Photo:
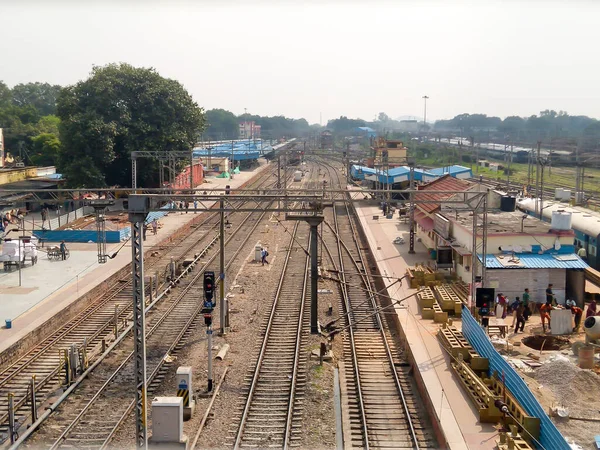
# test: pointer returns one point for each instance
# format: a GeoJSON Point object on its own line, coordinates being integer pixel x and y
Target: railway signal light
{"type": "Point", "coordinates": [208, 320]}
{"type": "Point", "coordinates": [209, 289]}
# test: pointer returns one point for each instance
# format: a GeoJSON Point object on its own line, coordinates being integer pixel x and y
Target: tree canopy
{"type": "Point", "coordinates": [549, 125]}
{"type": "Point", "coordinates": [224, 125]}
{"type": "Point", "coordinates": [26, 114]}
{"type": "Point", "coordinates": [117, 110]}
{"type": "Point", "coordinates": [345, 125]}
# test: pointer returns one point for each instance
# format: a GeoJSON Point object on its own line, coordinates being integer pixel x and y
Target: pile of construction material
{"type": "Point", "coordinates": [472, 370]}
{"type": "Point", "coordinates": [439, 301]}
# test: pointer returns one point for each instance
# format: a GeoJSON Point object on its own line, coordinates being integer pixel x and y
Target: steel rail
{"type": "Point", "coordinates": [102, 301]}
{"type": "Point", "coordinates": [263, 348]}
{"type": "Point", "coordinates": [368, 285]}
{"type": "Point", "coordinates": [164, 316]}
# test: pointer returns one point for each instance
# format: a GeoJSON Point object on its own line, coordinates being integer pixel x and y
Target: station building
{"type": "Point", "coordinates": [521, 251]}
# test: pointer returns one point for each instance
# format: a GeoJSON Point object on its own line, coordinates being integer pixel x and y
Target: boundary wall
{"type": "Point", "coordinates": [550, 437]}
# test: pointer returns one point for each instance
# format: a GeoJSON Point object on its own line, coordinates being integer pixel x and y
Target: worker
{"type": "Point", "coordinates": [520, 318]}
{"type": "Point", "coordinates": [513, 310]}
{"type": "Point", "coordinates": [154, 225]}
{"type": "Point", "coordinates": [578, 313]}
{"type": "Point", "coordinates": [525, 298]}
{"type": "Point", "coordinates": [582, 253]}
{"type": "Point", "coordinates": [545, 315]}
{"type": "Point", "coordinates": [263, 256]}
{"type": "Point", "coordinates": [550, 298]}
{"type": "Point", "coordinates": [63, 250]}
{"type": "Point", "coordinates": [591, 310]}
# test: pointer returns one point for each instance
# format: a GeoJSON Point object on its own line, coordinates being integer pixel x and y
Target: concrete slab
{"type": "Point", "coordinates": [455, 413]}
{"type": "Point", "coordinates": [49, 287]}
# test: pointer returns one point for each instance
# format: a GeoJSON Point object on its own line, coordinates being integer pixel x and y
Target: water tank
{"type": "Point", "coordinates": [561, 220]}
{"type": "Point", "coordinates": [508, 203]}
{"type": "Point", "coordinates": [562, 194]}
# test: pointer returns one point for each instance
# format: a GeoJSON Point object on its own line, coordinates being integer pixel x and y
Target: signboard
{"type": "Point", "coordinates": [441, 225]}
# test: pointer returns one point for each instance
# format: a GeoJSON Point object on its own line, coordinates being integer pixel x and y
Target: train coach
{"type": "Point", "coordinates": [584, 222]}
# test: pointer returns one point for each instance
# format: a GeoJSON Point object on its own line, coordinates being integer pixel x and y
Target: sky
{"type": "Point", "coordinates": [322, 59]}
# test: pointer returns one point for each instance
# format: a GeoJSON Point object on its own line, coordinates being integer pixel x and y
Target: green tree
{"type": "Point", "coordinates": [121, 109]}
{"type": "Point", "coordinates": [5, 95]}
{"type": "Point", "coordinates": [220, 125]}
{"type": "Point", "coordinates": [45, 149]}
{"type": "Point", "coordinates": [42, 96]}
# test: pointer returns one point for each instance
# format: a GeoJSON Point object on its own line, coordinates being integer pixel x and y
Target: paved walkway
{"type": "Point", "coordinates": [455, 411]}
{"type": "Point", "coordinates": [50, 286]}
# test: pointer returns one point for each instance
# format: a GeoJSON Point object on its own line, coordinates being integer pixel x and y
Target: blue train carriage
{"type": "Point", "coordinates": [584, 222]}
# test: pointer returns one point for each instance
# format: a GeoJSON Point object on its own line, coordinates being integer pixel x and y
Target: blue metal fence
{"type": "Point", "coordinates": [550, 437]}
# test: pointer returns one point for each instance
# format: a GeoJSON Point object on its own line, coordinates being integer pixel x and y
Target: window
{"type": "Point", "coordinates": [592, 250]}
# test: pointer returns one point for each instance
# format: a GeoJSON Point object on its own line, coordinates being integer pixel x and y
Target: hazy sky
{"type": "Point", "coordinates": [303, 58]}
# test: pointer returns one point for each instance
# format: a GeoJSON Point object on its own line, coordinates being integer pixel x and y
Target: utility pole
{"type": "Point", "coordinates": [222, 306]}
{"type": "Point", "coordinates": [508, 171]}
{"type": "Point", "coordinates": [278, 180]}
{"type": "Point", "coordinates": [192, 170]}
{"type": "Point", "coordinates": [537, 178]}
{"type": "Point", "coordinates": [472, 139]}
{"type": "Point", "coordinates": [411, 249]}
{"type": "Point", "coordinates": [138, 209]}
{"type": "Point", "coordinates": [425, 112]}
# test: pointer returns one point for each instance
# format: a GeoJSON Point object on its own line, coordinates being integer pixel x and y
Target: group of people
{"type": "Point", "coordinates": [519, 308]}
{"type": "Point", "coordinates": [522, 309]}
{"type": "Point", "coordinates": [11, 217]}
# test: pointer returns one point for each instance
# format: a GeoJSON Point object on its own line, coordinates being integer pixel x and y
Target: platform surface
{"type": "Point", "coordinates": [50, 286]}
{"type": "Point", "coordinates": [455, 412]}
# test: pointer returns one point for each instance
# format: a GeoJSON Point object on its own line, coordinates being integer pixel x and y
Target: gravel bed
{"type": "Point", "coordinates": [579, 391]}
{"type": "Point", "coordinates": [251, 294]}
{"type": "Point", "coordinates": [318, 421]}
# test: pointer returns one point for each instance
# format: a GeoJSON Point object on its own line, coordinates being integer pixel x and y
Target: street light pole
{"type": "Point", "coordinates": [425, 110]}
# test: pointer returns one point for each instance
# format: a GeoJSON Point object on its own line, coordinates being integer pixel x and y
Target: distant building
{"type": "Point", "coordinates": [408, 126]}
{"type": "Point", "coordinates": [366, 132]}
{"type": "Point", "coordinates": [390, 153]}
{"type": "Point", "coordinates": [249, 130]}
{"type": "Point", "coordinates": [326, 139]}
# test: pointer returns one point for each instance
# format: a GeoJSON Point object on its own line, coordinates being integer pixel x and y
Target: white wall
{"type": "Point", "coordinates": [512, 282]}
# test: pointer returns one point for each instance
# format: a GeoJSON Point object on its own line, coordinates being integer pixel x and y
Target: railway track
{"type": "Point", "coordinates": [92, 328]}
{"type": "Point", "coordinates": [270, 413]}
{"type": "Point", "coordinates": [104, 401]}
{"type": "Point", "coordinates": [383, 406]}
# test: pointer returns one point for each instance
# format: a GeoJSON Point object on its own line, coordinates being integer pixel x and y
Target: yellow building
{"type": "Point", "coordinates": [389, 152]}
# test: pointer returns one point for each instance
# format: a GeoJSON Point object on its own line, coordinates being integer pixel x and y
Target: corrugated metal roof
{"type": "Point", "coordinates": [445, 183]}
{"type": "Point", "coordinates": [449, 169]}
{"type": "Point", "coordinates": [536, 261]}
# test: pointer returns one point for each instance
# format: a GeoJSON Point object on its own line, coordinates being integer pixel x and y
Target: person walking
{"type": "Point", "coordinates": [63, 250]}
{"type": "Point", "coordinates": [154, 225]}
{"type": "Point", "coordinates": [519, 313]}
{"type": "Point", "coordinates": [263, 256]}
{"type": "Point", "coordinates": [44, 216]}
{"type": "Point", "coordinates": [513, 310]}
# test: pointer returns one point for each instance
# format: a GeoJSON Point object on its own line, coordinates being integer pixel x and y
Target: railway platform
{"type": "Point", "coordinates": [457, 419]}
{"type": "Point", "coordinates": [49, 287]}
